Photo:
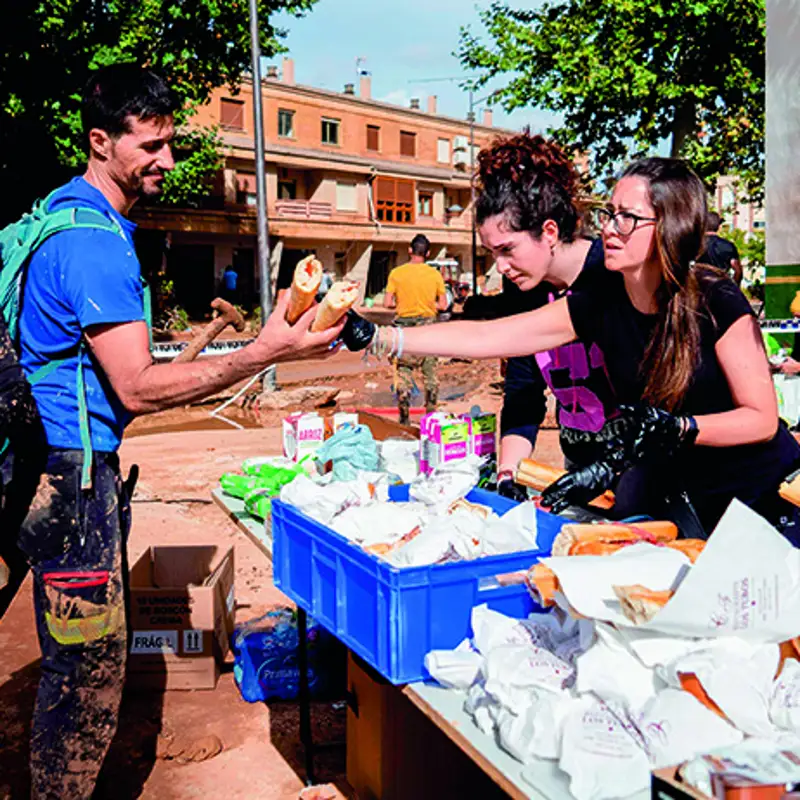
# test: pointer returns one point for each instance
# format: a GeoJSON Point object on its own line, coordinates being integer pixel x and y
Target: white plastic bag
{"type": "Point", "coordinates": [324, 500]}
{"type": "Point", "coordinates": [446, 484]}
{"type": "Point", "coordinates": [400, 457]}
{"type": "Point", "coordinates": [535, 731]}
{"type": "Point", "coordinates": [379, 523]}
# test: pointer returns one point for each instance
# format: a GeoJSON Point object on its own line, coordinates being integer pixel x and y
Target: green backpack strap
{"type": "Point", "coordinates": [53, 223]}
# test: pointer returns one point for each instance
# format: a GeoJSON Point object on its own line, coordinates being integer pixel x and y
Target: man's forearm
{"type": "Point", "coordinates": [161, 386]}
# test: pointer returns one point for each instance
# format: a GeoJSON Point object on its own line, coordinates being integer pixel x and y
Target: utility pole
{"type": "Point", "coordinates": [261, 184]}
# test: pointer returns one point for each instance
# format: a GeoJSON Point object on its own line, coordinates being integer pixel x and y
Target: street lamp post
{"type": "Point", "coordinates": [472, 193]}
{"type": "Point", "coordinates": [265, 294]}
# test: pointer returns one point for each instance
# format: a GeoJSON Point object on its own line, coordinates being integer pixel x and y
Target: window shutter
{"type": "Point", "coordinates": [408, 143]}
{"type": "Point", "coordinates": [231, 113]}
{"type": "Point", "coordinates": [373, 135]}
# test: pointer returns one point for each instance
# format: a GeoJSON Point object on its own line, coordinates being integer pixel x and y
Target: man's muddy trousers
{"type": "Point", "coordinates": [75, 542]}
{"type": "Point", "coordinates": [405, 367]}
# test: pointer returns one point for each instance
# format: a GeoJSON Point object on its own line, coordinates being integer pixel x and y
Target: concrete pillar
{"type": "Point", "coordinates": [275, 262]}
{"type": "Point", "coordinates": [358, 265]}
{"type": "Point", "coordinates": [782, 146]}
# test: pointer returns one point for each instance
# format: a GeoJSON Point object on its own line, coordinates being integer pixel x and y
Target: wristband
{"type": "Point", "coordinates": [690, 430]}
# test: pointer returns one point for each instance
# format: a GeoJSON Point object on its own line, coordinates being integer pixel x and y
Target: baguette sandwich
{"type": "Point", "coordinates": [341, 297]}
{"type": "Point", "coordinates": [539, 476]}
{"type": "Point", "coordinates": [305, 285]}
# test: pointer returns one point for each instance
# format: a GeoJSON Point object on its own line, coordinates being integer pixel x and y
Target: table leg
{"type": "Point", "coordinates": [304, 696]}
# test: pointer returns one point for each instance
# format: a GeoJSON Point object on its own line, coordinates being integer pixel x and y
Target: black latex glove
{"type": "Point", "coordinates": [513, 491]}
{"type": "Point", "coordinates": [357, 332]}
{"type": "Point", "coordinates": [579, 487]}
{"type": "Point", "coordinates": [657, 434]}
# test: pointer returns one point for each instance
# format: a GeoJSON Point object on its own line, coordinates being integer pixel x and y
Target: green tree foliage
{"type": "Point", "coordinates": [49, 47]}
{"type": "Point", "coordinates": [627, 74]}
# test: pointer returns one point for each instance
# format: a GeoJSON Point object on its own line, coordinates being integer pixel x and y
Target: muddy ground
{"type": "Point", "coordinates": [181, 454]}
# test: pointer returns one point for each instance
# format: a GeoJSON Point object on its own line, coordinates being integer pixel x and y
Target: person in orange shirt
{"type": "Point", "coordinates": [416, 292]}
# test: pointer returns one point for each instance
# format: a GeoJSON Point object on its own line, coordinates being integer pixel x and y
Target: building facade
{"type": "Point", "coordinates": [349, 178]}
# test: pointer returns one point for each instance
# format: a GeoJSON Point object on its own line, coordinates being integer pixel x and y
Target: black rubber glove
{"type": "Point", "coordinates": [579, 487]}
{"type": "Point", "coordinates": [357, 332]}
{"type": "Point", "coordinates": [657, 434]}
{"type": "Point", "coordinates": [513, 491]}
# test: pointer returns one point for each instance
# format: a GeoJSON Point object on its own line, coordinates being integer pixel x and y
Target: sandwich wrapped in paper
{"type": "Point", "coordinates": [305, 285]}
{"type": "Point", "coordinates": [341, 297]}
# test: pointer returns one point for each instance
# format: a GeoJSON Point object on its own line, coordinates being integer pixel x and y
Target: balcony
{"type": "Point", "coordinates": [303, 209]}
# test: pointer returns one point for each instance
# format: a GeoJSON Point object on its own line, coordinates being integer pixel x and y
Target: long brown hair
{"type": "Point", "coordinates": [528, 179]}
{"type": "Point", "coordinates": [678, 198]}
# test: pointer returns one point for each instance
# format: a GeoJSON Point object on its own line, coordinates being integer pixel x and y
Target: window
{"type": "Point", "coordinates": [231, 113]}
{"type": "Point", "coordinates": [394, 200]}
{"type": "Point", "coordinates": [373, 137]}
{"type": "Point", "coordinates": [346, 196]}
{"type": "Point", "coordinates": [443, 151]}
{"type": "Point", "coordinates": [425, 204]}
{"type": "Point", "coordinates": [287, 190]}
{"type": "Point", "coordinates": [330, 130]}
{"type": "Point", "coordinates": [759, 225]}
{"type": "Point", "coordinates": [408, 143]}
{"type": "Point", "coordinates": [285, 123]}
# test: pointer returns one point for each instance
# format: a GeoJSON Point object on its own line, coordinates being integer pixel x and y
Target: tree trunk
{"type": "Point", "coordinates": [683, 125]}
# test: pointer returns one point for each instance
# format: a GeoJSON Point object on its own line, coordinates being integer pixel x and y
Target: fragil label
{"type": "Point", "coordinates": [155, 642]}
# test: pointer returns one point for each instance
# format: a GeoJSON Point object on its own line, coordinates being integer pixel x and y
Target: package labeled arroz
{"type": "Point", "coordinates": [443, 439]}
{"type": "Point", "coordinates": [303, 433]}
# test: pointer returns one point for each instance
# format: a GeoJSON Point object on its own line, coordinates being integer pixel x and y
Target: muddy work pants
{"type": "Point", "coordinates": [405, 367]}
{"type": "Point", "coordinates": [75, 542]}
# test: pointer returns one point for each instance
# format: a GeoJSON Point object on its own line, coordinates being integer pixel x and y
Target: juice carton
{"type": "Point", "coordinates": [483, 443]}
{"type": "Point", "coordinates": [303, 433]}
{"type": "Point", "coordinates": [446, 439]}
{"type": "Point", "coordinates": [340, 419]}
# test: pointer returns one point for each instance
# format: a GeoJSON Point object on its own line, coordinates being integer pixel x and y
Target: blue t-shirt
{"type": "Point", "coordinates": [76, 279]}
{"type": "Point", "coordinates": [230, 278]}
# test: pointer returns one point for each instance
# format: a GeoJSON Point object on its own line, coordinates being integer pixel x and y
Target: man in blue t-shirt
{"type": "Point", "coordinates": [83, 312]}
{"type": "Point", "coordinates": [230, 283]}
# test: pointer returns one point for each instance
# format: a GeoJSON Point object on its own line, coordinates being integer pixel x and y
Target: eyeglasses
{"type": "Point", "coordinates": [624, 222]}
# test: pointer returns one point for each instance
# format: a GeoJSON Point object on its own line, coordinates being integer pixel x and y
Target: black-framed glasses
{"type": "Point", "coordinates": [624, 222]}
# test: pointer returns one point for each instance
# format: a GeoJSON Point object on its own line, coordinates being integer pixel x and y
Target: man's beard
{"type": "Point", "coordinates": [137, 185]}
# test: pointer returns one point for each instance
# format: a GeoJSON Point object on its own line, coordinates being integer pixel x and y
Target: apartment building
{"type": "Point", "coordinates": [348, 177]}
{"type": "Point", "coordinates": [738, 213]}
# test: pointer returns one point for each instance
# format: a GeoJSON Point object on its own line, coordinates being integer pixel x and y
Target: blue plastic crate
{"type": "Point", "coordinates": [392, 617]}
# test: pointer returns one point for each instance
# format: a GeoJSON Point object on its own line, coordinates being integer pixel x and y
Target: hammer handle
{"type": "Point", "coordinates": [199, 343]}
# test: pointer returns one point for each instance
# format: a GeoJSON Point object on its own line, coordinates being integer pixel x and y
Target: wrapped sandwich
{"type": "Point", "coordinates": [341, 297]}
{"type": "Point", "coordinates": [539, 476]}
{"type": "Point", "coordinates": [305, 285]}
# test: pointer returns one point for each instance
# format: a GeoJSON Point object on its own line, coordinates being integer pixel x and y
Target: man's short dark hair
{"type": "Point", "coordinates": [114, 94]}
{"type": "Point", "coordinates": [713, 221]}
{"type": "Point", "coordinates": [420, 246]}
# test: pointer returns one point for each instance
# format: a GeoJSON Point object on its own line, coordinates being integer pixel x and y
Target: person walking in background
{"type": "Point", "coordinates": [417, 293]}
{"type": "Point", "coordinates": [230, 284]}
{"type": "Point", "coordinates": [719, 252]}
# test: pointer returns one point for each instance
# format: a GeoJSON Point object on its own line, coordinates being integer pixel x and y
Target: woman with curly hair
{"type": "Point", "coordinates": [528, 214]}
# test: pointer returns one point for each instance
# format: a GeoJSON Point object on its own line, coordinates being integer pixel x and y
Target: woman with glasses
{"type": "Point", "coordinates": [528, 216]}
{"type": "Point", "coordinates": [681, 348]}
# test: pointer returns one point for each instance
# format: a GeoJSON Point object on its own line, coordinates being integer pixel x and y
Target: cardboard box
{"type": "Point", "coordinates": [181, 616]}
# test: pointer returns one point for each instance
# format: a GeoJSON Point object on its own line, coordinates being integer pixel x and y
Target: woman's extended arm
{"type": "Point", "coordinates": [740, 353]}
{"type": "Point", "coordinates": [519, 335]}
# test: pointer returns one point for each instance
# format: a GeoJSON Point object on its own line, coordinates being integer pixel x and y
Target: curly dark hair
{"type": "Point", "coordinates": [528, 179]}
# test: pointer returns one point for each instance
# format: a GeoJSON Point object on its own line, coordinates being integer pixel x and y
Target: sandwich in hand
{"type": "Point", "coordinates": [305, 285]}
{"type": "Point", "coordinates": [341, 297]}
{"type": "Point", "coordinates": [539, 476]}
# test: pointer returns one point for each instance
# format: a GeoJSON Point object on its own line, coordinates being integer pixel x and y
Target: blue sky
{"type": "Point", "coordinates": [402, 41]}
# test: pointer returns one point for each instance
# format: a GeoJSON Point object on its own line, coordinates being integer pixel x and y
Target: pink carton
{"type": "Point", "coordinates": [443, 439]}
{"type": "Point", "coordinates": [303, 433]}
{"type": "Point", "coordinates": [483, 430]}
